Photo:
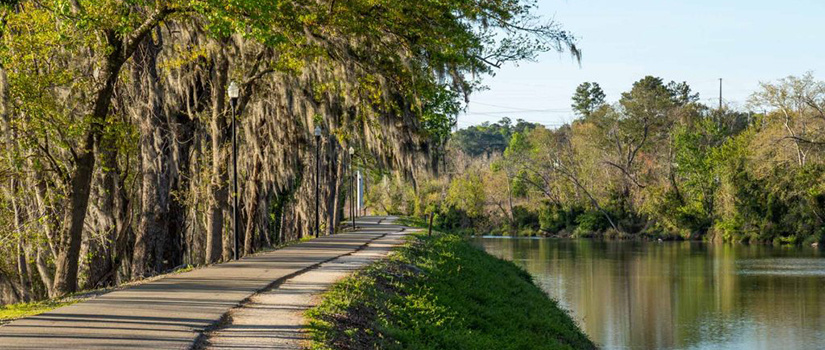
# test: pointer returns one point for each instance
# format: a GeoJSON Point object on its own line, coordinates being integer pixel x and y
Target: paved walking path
{"type": "Point", "coordinates": [172, 312]}
{"type": "Point", "coordinates": [274, 319]}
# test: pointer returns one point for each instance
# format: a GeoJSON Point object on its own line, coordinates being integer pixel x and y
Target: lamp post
{"type": "Point", "coordinates": [351, 188]}
{"type": "Point", "coordinates": [317, 177]}
{"type": "Point", "coordinates": [234, 92]}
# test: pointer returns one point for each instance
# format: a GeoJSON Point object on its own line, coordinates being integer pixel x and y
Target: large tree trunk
{"type": "Point", "coordinates": [120, 48]}
{"type": "Point", "coordinates": [335, 184]}
{"type": "Point", "coordinates": [44, 272]}
{"type": "Point", "coordinates": [218, 191]}
{"type": "Point", "coordinates": [9, 291]}
{"type": "Point", "coordinates": [102, 264]}
{"type": "Point", "coordinates": [66, 264]}
{"type": "Point", "coordinates": [65, 280]}
{"type": "Point", "coordinates": [22, 264]}
{"type": "Point", "coordinates": [155, 159]}
{"type": "Point", "coordinates": [253, 203]}
{"type": "Point", "coordinates": [180, 223]}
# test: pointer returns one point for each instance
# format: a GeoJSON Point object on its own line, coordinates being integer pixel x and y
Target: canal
{"type": "Point", "coordinates": [680, 295]}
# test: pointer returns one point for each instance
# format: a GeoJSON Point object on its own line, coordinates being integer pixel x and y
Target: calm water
{"type": "Point", "coordinates": [680, 295]}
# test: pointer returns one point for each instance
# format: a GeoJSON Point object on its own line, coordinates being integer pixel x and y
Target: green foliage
{"type": "Point", "coordinates": [466, 194]}
{"type": "Point", "coordinates": [590, 222]}
{"type": "Point", "coordinates": [441, 293]}
{"type": "Point", "coordinates": [428, 198]}
{"type": "Point", "coordinates": [489, 139]}
{"type": "Point", "coordinates": [80, 77]}
{"type": "Point", "coordinates": [439, 112]}
{"type": "Point", "coordinates": [687, 206]}
{"type": "Point", "coordinates": [554, 217]}
{"type": "Point", "coordinates": [451, 218]}
{"type": "Point", "coordinates": [525, 219]}
{"type": "Point", "coordinates": [519, 185]}
{"type": "Point", "coordinates": [785, 207]}
{"type": "Point", "coordinates": [659, 163]}
{"type": "Point", "coordinates": [390, 195]}
{"type": "Point", "coordinates": [588, 98]}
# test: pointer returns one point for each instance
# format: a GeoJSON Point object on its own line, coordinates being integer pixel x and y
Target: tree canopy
{"type": "Point", "coordinates": [117, 126]}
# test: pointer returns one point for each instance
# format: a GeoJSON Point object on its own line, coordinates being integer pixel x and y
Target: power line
{"type": "Point", "coordinates": [514, 109]}
{"type": "Point", "coordinates": [463, 124]}
{"type": "Point", "coordinates": [504, 113]}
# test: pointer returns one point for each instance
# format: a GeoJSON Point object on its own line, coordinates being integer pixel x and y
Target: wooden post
{"type": "Point", "coordinates": [430, 230]}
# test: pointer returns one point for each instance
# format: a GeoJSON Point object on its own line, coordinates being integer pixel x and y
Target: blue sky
{"type": "Point", "coordinates": [743, 42]}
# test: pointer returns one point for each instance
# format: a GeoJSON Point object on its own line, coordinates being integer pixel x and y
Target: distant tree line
{"type": "Point", "coordinates": [656, 163]}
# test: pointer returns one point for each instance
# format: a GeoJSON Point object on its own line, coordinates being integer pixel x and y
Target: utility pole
{"type": "Point", "coordinates": [720, 94]}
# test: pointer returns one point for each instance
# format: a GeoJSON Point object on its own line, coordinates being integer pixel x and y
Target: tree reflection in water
{"type": "Point", "coordinates": [680, 295]}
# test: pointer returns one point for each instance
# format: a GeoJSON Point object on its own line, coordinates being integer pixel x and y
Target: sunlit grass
{"type": "Point", "coordinates": [441, 293]}
{"type": "Point", "coordinates": [15, 311]}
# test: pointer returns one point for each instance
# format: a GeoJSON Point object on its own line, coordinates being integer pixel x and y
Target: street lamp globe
{"type": "Point", "coordinates": [233, 90]}
{"type": "Point", "coordinates": [317, 131]}
{"type": "Point", "coordinates": [351, 150]}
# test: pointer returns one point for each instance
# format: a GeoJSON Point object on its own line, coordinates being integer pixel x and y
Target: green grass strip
{"type": "Point", "coordinates": [441, 293]}
{"type": "Point", "coordinates": [14, 311]}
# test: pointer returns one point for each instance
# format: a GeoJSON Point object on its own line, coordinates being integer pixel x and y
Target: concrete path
{"type": "Point", "coordinates": [173, 312]}
{"type": "Point", "coordinates": [274, 319]}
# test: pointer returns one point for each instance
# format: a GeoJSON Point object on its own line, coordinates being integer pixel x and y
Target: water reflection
{"type": "Point", "coordinates": [680, 295]}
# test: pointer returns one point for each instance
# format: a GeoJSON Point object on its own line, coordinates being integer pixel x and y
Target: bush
{"type": "Point", "coordinates": [592, 221]}
{"type": "Point", "coordinates": [784, 207]}
{"type": "Point", "coordinates": [554, 218]}
{"type": "Point", "coordinates": [523, 218]}
{"type": "Point", "coordinates": [818, 237]}
{"type": "Point", "coordinates": [452, 218]}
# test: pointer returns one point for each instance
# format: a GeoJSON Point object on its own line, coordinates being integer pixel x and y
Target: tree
{"type": "Point", "coordinates": [799, 107]}
{"type": "Point", "coordinates": [588, 98]}
{"type": "Point", "coordinates": [121, 123]}
{"type": "Point", "coordinates": [681, 93]}
{"type": "Point", "coordinates": [488, 139]}
{"type": "Point", "coordinates": [120, 33]}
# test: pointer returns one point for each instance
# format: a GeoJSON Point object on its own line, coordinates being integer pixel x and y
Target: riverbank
{"type": "Point", "coordinates": [441, 293]}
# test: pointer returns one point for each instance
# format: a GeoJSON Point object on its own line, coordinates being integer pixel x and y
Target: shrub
{"type": "Point", "coordinates": [554, 218]}
{"type": "Point", "coordinates": [523, 218]}
{"type": "Point", "coordinates": [592, 221]}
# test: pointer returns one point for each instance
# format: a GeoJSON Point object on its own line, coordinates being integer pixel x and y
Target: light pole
{"type": "Point", "coordinates": [317, 177]}
{"type": "Point", "coordinates": [351, 188]}
{"type": "Point", "coordinates": [234, 92]}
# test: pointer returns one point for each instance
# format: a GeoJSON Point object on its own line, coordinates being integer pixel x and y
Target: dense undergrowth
{"type": "Point", "coordinates": [441, 293]}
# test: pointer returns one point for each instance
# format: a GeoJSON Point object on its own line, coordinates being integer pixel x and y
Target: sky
{"type": "Point", "coordinates": [744, 42]}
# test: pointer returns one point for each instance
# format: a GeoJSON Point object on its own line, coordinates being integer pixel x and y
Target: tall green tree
{"type": "Point", "coordinates": [588, 97]}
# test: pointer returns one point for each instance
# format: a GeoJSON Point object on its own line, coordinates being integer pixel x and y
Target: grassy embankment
{"type": "Point", "coordinates": [441, 293]}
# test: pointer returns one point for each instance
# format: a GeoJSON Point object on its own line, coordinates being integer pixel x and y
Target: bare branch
{"type": "Point", "coordinates": [625, 172]}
